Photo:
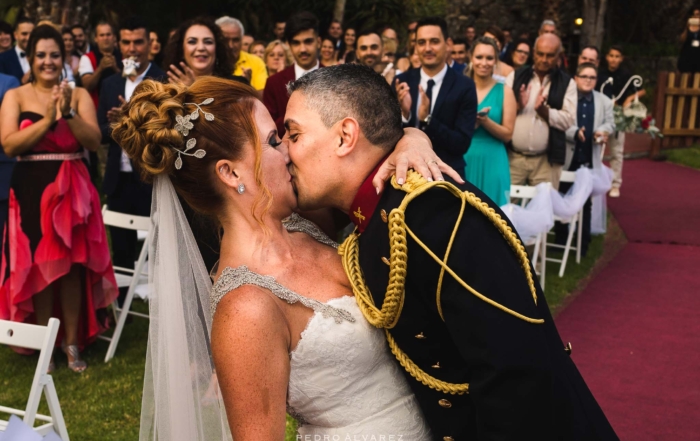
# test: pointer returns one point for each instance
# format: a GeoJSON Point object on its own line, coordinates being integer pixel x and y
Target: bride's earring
{"type": "Point", "coordinates": [241, 188]}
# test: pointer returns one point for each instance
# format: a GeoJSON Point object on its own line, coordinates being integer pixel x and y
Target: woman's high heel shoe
{"type": "Point", "coordinates": [72, 352]}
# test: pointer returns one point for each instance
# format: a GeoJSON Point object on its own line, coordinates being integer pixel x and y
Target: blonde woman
{"type": "Point", "coordinates": [487, 159]}
{"type": "Point", "coordinates": [277, 57]}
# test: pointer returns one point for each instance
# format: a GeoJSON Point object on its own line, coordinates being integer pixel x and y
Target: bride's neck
{"type": "Point", "coordinates": [247, 242]}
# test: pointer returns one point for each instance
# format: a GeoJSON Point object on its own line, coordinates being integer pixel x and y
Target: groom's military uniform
{"type": "Point", "coordinates": [474, 336]}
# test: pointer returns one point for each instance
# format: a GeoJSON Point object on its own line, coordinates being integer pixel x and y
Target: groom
{"type": "Point", "coordinates": [437, 265]}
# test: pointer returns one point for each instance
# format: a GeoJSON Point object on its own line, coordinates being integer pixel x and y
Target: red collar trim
{"type": "Point", "coordinates": [365, 201]}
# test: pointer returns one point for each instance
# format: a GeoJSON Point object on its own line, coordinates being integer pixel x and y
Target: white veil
{"type": "Point", "coordinates": [178, 363]}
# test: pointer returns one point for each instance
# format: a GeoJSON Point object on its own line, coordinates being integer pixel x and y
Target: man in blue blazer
{"type": "Point", "coordinates": [125, 191]}
{"type": "Point", "coordinates": [15, 62]}
{"type": "Point", "coordinates": [437, 99]}
{"type": "Point", "coordinates": [7, 82]}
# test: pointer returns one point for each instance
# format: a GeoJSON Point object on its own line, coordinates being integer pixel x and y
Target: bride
{"type": "Point", "coordinates": [286, 333]}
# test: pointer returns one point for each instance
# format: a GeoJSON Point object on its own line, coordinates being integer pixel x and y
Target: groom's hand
{"type": "Point", "coordinates": [415, 151]}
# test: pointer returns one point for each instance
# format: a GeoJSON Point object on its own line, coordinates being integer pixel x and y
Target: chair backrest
{"type": "Point", "coordinates": [567, 176]}
{"type": "Point", "coordinates": [523, 192]}
{"type": "Point", "coordinates": [41, 338]}
{"type": "Point", "coordinates": [127, 221]}
{"type": "Point", "coordinates": [24, 335]}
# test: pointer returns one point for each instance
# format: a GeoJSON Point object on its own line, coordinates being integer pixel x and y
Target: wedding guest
{"type": "Point", "coordinates": [197, 49]}
{"type": "Point", "coordinates": [302, 36]}
{"type": "Point", "coordinates": [548, 27]}
{"type": "Point", "coordinates": [589, 54]}
{"type": "Point", "coordinates": [389, 48]}
{"type": "Point", "coordinates": [487, 158]}
{"type": "Point", "coordinates": [470, 35]}
{"type": "Point", "coordinates": [246, 65]}
{"type": "Point", "coordinates": [460, 68]}
{"type": "Point", "coordinates": [507, 43]}
{"type": "Point", "coordinates": [519, 55]}
{"type": "Point", "coordinates": [6, 38]}
{"type": "Point", "coordinates": [72, 60]}
{"type": "Point", "coordinates": [389, 33]}
{"type": "Point", "coordinates": [348, 44]}
{"type": "Point", "coordinates": [436, 99]}
{"type": "Point", "coordinates": [460, 51]}
{"type": "Point", "coordinates": [546, 97]}
{"type": "Point", "coordinates": [612, 79]}
{"type": "Point", "coordinates": [335, 31]}
{"type": "Point", "coordinates": [98, 65]}
{"type": "Point", "coordinates": [15, 62]}
{"type": "Point", "coordinates": [502, 70]}
{"type": "Point", "coordinates": [155, 48]}
{"type": "Point", "coordinates": [369, 48]}
{"type": "Point", "coordinates": [278, 30]}
{"type": "Point", "coordinates": [48, 124]}
{"type": "Point", "coordinates": [585, 140]}
{"type": "Point", "coordinates": [689, 58]}
{"type": "Point", "coordinates": [80, 40]}
{"type": "Point", "coordinates": [328, 52]}
{"type": "Point", "coordinates": [246, 42]}
{"type": "Point", "coordinates": [125, 191]}
{"type": "Point", "coordinates": [258, 49]}
{"type": "Point", "coordinates": [277, 57]}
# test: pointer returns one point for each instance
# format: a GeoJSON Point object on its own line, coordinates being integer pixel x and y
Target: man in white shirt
{"type": "Point", "coordinates": [15, 62]}
{"type": "Point", "coordinates": [302, 36]}
{"type": "Point", "coordinates": [437, 99]}
{"type": "Point", "coordinates": [547, 100]}
{"type": "Point", "coordinates": [125, 191]}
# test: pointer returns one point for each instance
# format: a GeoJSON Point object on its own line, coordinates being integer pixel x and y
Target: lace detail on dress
{"type": "Point", "coordinates": [296, 415]}
{"type": "Point", "coordinates": [232, 278]}
{"type": "Point", "coordinates": [296, 223]}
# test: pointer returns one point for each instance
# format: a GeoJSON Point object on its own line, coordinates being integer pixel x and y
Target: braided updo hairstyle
{"type": "Point", "coordinates": [146, 131]}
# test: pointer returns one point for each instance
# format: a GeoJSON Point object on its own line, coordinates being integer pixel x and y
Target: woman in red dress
{"type": "Point", "coordinates": [55, 255]}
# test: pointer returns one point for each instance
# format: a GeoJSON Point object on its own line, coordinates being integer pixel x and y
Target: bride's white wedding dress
{"type": "Point", "coordinates": [343, 382]}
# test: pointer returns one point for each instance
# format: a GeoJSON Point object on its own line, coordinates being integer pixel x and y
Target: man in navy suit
{"type": "Point", "coordinates": [7, 82]}
{"type": "Point", "coordinates": [125, 191]}
{"type": "Point", "coordinates": [437, 99]}
{"type": "Point", "coordinates": [14, 62]}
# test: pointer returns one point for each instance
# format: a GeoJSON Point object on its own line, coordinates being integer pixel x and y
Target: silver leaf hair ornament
{"type": "Point", "coordinates": [183, 124]}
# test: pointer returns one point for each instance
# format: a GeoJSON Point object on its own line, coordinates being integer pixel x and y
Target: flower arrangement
{"type": "Point", "coordinates": [634, 119]}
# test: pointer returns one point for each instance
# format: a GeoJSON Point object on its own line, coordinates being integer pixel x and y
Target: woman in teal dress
{"type": "Point", "coordinates": [487, 160]}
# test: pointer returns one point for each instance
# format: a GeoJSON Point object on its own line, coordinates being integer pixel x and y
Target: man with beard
{"type": "Point", "coordinates": [437, 99]}
{"type": "Point", "coordinates": [302, 36]}
{"type": "Point", "coordinates": [470, 328]}
{"type": "Point", "coordinates": [81, 45]}
{"type": "Point", "coordinates": [15, 62]}
{"type": "Point", "coordinates": [369, 48]}
{"type": "Point", "coordinates": [247, 65]}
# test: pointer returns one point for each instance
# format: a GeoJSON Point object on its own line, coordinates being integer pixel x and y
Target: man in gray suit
{"type": "Point", "coordinates": [585, 139]}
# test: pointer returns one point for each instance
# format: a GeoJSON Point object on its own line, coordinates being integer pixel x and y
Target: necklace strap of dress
{"type": "Point", "coordinates": [296, 223]}
{"type": "Point", "coordinates": [232, 278]}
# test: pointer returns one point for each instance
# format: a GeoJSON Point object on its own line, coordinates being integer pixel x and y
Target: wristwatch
{"type": "Point", "coordinates": [424, 123]}
{"type": "Point", "coordinates": [70, 115]}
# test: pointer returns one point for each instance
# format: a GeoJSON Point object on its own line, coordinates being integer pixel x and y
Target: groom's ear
{"type": "Point", "coordinates": [347, 136]}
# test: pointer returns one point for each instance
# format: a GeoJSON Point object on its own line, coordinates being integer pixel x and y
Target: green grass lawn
{"type": "Point", "coordinates": [689, 156]}
{"type": "Point", "coordinates": [104, 402]}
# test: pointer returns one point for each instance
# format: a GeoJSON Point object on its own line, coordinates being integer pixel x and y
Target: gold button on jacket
{"type": "Point", "coordinates": [445, 403]}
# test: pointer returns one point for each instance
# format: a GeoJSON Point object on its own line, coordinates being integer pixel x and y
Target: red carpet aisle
{"type": "Point", "coordinates": [635, 329]}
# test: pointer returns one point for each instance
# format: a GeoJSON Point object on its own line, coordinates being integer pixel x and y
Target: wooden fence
{"type": "Point", "coordinates": [676, 110]}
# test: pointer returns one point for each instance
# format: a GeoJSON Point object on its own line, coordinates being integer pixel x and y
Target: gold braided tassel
{"type": "Point", "coordinates": [389, 314]}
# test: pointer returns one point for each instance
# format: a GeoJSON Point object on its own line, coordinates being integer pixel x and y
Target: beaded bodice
{"type": "Point", "coordinates": [343, 381]}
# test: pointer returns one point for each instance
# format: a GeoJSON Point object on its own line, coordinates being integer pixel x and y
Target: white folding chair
{"type": "Point", "coordinates": [573, 222]}
{"type": "Point", "coordinates": [525, 193]}
{"type": "Point", "coordinates": [126, 276]}
{"type": "Point", "coordinates": [43, 339]}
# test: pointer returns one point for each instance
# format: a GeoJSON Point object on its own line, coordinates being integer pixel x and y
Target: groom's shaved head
{"type": "Point", "coordinates": [356, 91]}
